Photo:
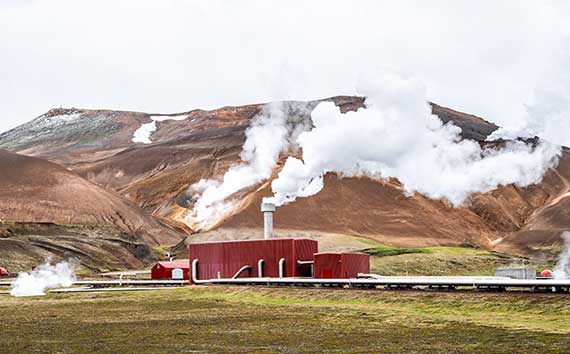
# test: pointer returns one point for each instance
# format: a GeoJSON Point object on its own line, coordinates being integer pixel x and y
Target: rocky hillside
{"type": "Point", "coordinates": [36, 195]}
{"type": "Point", "coordinates": [185, 147]}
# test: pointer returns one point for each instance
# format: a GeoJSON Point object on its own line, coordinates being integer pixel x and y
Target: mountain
{"type": "Point", "coordinates": [38, 197]}
{"type": "Point", "coordinates": [182, 148]}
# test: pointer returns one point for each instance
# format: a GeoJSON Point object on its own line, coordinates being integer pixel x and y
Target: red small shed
{"type": "Point", "coordinates": [224, 259]}
{"type": "Point", "coordinates": [3, 272]}
{"type": "Point", "coordinates": [171, 270]}
{"type": "Point", "coordinates": [340, 265]}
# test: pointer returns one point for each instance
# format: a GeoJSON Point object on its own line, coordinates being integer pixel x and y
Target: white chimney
{"type": "Point", "coordinates": [267, 209]}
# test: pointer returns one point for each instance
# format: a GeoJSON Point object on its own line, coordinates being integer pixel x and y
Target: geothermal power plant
{"type": "Point", "coordinates": [271, 258]}
{"type": "Point", "coordinates": [298, 262]}
{"type": "Point", "coordinates": [270, 261]}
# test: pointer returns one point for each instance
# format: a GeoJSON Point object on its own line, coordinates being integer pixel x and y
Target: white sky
{"type": "Point", "coordinates": [482, 57]}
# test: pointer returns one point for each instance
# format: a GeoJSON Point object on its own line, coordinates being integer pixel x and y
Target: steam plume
{"type": "Point", "coordinates": [549, 115]}
{"type": "Point", "coordinates": [562, 269]}
{"type": "Point", "coordinates": [43, 277]}
{"type": "Point", "coordinates": [397, 136]}
{"type": "Point", "coordinates": [266, 138]}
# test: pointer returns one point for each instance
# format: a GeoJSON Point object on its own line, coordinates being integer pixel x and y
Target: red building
{"type": "Point", "coordinates": [340, 265]}
{"type": "Point", "coordinates": [171, 270]}
{"type": "Point", "coordinates": [256, 258]}
{"type": "Point", "coordinates": [3, 272]}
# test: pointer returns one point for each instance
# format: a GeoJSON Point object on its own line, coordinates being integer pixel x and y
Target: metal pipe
{"type": "Point", "coordinates": [195, 274]}
{"type": "Point", "coordinates": [267, 209]}
{"type": "Point", "coordinates": [241, 270]}
{"type": "Point", "coordinates": [282, 268]}
{"type": "Point", "coordinates": [408, 281]}
{"type": "Point", "coordinates": [260, 268]}
{"type": "Point", "coordinates": [103, 290]}
{"type": "Point", "coordinates": [126, 282]}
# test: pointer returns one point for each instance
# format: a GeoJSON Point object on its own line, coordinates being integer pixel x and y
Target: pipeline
{"type": "Point", "coordinates": [282, 268]}
{"type": "Point", "coordinates": [241, 270]}
{"type": "Point", "coordinates": [194, 274]}
{"type": "Point", "coordinates": [391, 282]}
{"type": "Point", "coordinates": [260, 268]}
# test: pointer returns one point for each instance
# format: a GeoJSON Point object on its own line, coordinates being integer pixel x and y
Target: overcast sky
{"type": "Point", "coordinates": [486, 58]}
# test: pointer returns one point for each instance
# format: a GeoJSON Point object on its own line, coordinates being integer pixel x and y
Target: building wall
{"type": "Point", "coordinates": [340, 265]}
{"type": "Point", "coordinates": [516, 273]}
{"type": "Point", "coordinates": [226, 258]}
{"type": "Point", "coordinates": [164, 271]}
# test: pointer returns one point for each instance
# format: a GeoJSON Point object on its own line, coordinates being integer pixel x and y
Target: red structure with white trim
{"type": "Point", "coordinates": [255, 258]}
{"type": "Point", "coordinates": [271, 258]}
{"type": "Point", "coordinates": [164, 270]}
{"type": "Point", "coordinates": [341, 265]}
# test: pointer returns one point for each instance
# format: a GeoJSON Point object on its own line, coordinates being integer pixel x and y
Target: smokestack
{"type": "Point", "coordinates": [267, 209]}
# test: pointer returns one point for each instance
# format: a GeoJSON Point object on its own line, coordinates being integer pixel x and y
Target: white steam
{"type": "Point", "coordinates": [562, 269]}
{"type": "Point", "coordinates": [266, 138]}
{"type": "Point", "coordinates": [43, 277]}
{"type": "Point", "coordinates": [397, 136]}
{"type": "Point", "coordinates": [548, 116]}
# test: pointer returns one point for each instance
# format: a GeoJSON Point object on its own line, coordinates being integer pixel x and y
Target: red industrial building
{"type": "Point", "coordinates": [340, 265]}
{"type": "Point", "coordinates": [255, 258]}
{"type": "Point", "coordinates": [3, 272]}
{"type": "Point", "coordinates": [271, 258]}
{"type": "Point", "coordinates": [171, 270]}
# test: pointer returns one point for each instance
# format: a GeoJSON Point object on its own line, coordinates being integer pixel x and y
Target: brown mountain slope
{"type": "Point", "coordinates": [373, 209]}
{"type": "Point", "coordinates": [524, 221]}
{"type": "Point", "coordinates": [156, 177]}
{"type": "Point", "coordinates": [34, 191]}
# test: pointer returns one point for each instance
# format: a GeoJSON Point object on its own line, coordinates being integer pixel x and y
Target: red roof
{"type": "Point", "coordinates": [175, 264]}
{"type": "Point", "coordinates": [3, 271]}
{"type": "Point", "coordinates": [546, 273]}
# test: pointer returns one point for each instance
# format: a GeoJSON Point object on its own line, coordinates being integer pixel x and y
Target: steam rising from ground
{"type": "Point", "coordinates": [266, 138]}
{"type": "Point", "coordinates": [562, 269]}
{"type": "Point", "coordinates": [43, 277]}
{"type": "Point", "coordinates": [397, 136]}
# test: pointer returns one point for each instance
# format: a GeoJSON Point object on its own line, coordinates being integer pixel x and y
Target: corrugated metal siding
{"type": "Point", "coordinates": [354, 263]}
{"type": "Point", "coordinates": [228, 257]}
{"type": "Point", "coordinates": [327, 266]}
{"type": "Point", "coordinates": [305, 251]}
{"type": "Point", "coordinates": [341, 265]}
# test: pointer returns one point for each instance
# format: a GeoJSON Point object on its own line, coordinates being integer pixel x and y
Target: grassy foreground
{"type": "Point", "coordinates": [387, 260]}
{"type": "Point", "coordinates": [281, 320]}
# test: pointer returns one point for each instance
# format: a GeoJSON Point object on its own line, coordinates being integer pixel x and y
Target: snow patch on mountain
{"type": "Point", "coordinates": [63, 118]}
{"type": "Point", "coordinates": [144, 132]}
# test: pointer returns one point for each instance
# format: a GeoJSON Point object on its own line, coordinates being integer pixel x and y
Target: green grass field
{"type": "Point", "coordinates": [285, 320]}
{"type": "Point", "coordinates": [387, 260]}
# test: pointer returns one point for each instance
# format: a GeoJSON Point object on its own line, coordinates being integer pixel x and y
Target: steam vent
{"type": "Point", "coordinates": [267, 209]}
